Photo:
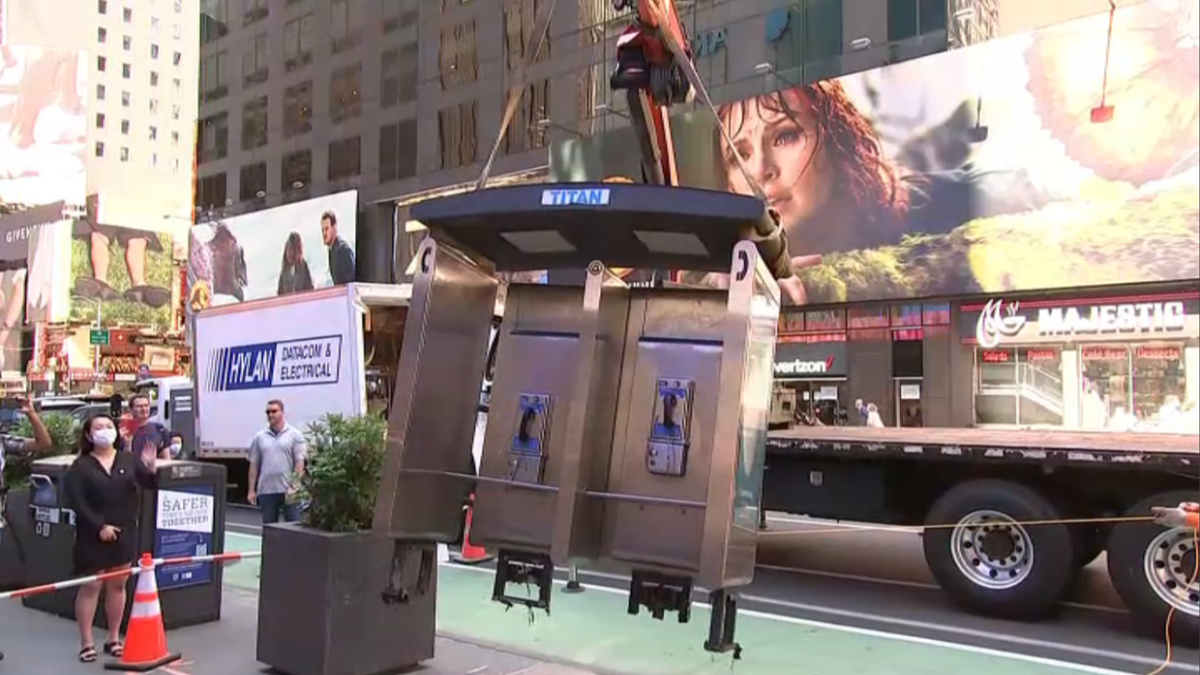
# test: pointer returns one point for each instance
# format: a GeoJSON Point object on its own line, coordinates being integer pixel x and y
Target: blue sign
{"type": "Point", "coordinates": [709, 42]}
{"type": "Point", "coordinates": [569, 197]}
{"type": "Point", "coordinates": [777, 24]}
{"type": "Point", "coordinates": [267, 365]}
{"type": "Point", "coordinates": [185, 525]}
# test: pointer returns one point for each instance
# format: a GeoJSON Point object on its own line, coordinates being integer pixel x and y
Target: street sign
{"type": "Point", "coordinates": [98, 336]}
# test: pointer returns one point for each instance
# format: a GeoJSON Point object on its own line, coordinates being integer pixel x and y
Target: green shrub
{"type": "Point", "coordinates": [341, 478]}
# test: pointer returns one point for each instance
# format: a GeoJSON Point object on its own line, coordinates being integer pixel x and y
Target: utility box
{"type": "Point", "coordinates": [627, 426]}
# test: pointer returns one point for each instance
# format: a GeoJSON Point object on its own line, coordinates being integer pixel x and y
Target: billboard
{"type": "Point", "coordinates": [43, 124]}
{"type": "Point", "coordinates": [1017, 164]}
{"type": "Point", "coordinates": [288, 249]}
{"type": "Point", "coordinates": [126, 274]}
{"type": "Point", "coordinates": [12, 304]}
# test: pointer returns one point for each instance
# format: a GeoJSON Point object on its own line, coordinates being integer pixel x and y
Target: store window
{"type": "Point", "coordinates": [1019, 385]}
{"type": "Point", "coordinates": [1132, 387]}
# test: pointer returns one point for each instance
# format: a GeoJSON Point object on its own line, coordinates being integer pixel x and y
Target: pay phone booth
{"type": "Point", "coordinates": [627, 426]}
{"type": "Point", "coordinates": [185, 516]}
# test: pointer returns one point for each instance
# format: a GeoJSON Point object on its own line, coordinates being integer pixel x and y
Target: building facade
{"type": "Point", "coordinates": [98, 183]}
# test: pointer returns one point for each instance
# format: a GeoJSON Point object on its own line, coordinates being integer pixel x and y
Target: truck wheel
{"type": "Point", "coordinates": [987, 561]}
{"type": "Point", "coordinates": [1153, 569]}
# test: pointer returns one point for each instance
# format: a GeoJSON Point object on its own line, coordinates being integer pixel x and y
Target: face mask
{"type": "Point", "coordinates": [104, 437]}
{"type": "Point", "coordinates": [176, 448]}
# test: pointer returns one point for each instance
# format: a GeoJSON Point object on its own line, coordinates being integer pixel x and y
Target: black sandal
{"type": "Point", "coordinates": [114, 648]}
{"type": "Point", "coordinates": [88, 654]}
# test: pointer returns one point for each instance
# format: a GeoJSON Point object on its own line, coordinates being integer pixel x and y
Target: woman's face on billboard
{"type": "Point", "coordinates": [782, 154]}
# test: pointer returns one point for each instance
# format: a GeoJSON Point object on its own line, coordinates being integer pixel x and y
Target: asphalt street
{"type": "Point", "coordinates": [872, 580]}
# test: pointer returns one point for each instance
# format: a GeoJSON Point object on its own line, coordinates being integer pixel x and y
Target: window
{"type": "Point", "coordinates": [398, 151]}
{"type": "Point", "coordinates": [910, 18]}
{"type": "Point", "coordinates": [126, 71]}
{"type": "Point", "coordinates": [398, 76]}
{"type": "Point", "coordinates": [296, 170]}
{"type": "Point", "coordinates": [345, 158]}
{"type": "Point", "coordinates": [457, 136]}
{"type": "Point", "coordinates": [254, 60]}
{"type": "Point", "coordinates": [126, 99]}
{"type": "Point", "coordinates": [177, 84]}
{"type": "Point", "coordinates": [253, 183]}
{"type": "Point", "coordinates": [127, 43]}
{"type": "Point", "coordinates": [214, 20]}
{"type": "Point", "coordinates": [297, 42]}
{"type": "Point", "coordinates": [154, 52]}
{"type": "Point", "coordinates": [176, 59]}
{"type": "Point", "coordinates": [813, 36]}
{"type": "Point", "coordinates": [398, 14]}
{"type": "Point", "coordinates": [155, 25]}
{"type": "Point", "coordinates": [177, 32]}
{"type": "Point", "coordinates": [345, 93]}
{"type": "Point", "coordinates": [519, 19]}
{"type": "Point", "coordinates": [99, 120]}
{"type": "Point", "coordinates": [153, 133]}
{"type": "Point", "coordinates": [153, 79]}
{"type": "Point", "coordinates": [127, 15]}
{"type": "Point", "coordinates": [101, 63]}
{"type": "Point", "coordinates": [254, 123]}
{"type": "Point", "coordinates": [102, 6]}
{"type": "Point", "coordinates": [101, 35]}
{"type": "Point", "coordinates": [210, 192]}
{"type": "Point", "coordinates": [100, 92]}
{"type": "Point", "coordinates": [174, 139]}
{"type": "Point", "coordinates": [458, 59]}
{"type": "Point", "coordinates": [124, 154]}
{"type": "Point", "coordinates": [178, 6]}
{"type": "Point", "coordinates": [213, 143]}
{"type": "Point", "coordinates": [297, 109]}
{"type": "Point", "coordinates": [175, 111]}
{"type": "Point", "coordinates": [213, 82]}
{"type": "Point", "coordinates": [99, 149]}
{"type": "Point", "coordinates": [527, 131]}
{"type": "Point", "coordinates": [154, 159]}
{"type": "Point", "coordinates": [124, 127]}
{"type": "Point", "coordinates": [345, 18]}
{"type": "Point", "coordinates": [153, 105]}
{"type": "Point", "coordinates": [256, 10]}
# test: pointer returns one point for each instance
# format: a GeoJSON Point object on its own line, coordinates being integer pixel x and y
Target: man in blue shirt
{"type": "Point", "coordinates": [341, 254]}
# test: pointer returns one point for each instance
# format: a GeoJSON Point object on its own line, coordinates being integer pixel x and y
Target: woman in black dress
{"type": "Point", "coordinates": [102, 487]}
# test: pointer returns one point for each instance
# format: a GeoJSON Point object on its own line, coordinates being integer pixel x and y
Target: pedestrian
{"type": "Point", "coordinates": [18, 446]}
{"type": "Point", "coordinates": [143, 430]}
{"type": "Point", "coordinates": [277, 456]}
{"type": "Point", "coordinates": [863, 413]}
{"type": "Point", "coordinates": [102, 488]}
{"type": "Point", "coordinates": [175, 447]}
{"type": "Point", "coordinates": [873, 418]}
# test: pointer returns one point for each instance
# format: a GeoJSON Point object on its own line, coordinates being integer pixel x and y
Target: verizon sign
{"type": "Point", "coordinates": [798, 367]}
{"type": "Point", "coordinates": [1001, 321]}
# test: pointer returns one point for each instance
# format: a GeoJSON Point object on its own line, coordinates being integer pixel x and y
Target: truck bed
{"type": "Point", "coordinates": [1078, 448]}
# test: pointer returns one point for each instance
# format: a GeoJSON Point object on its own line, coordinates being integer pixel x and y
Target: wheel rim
{"type": "Point", "coordinates": [991, 550]}
{"type": "Point", "coordinates": [1170, 565]}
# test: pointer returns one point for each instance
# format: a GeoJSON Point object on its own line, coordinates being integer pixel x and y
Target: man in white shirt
{"type": "Point", "coordinates": [277, 456]}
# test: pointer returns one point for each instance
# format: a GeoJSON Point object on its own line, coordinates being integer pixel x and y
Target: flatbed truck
{"type": "Point", "coordinates": [1010, 516]}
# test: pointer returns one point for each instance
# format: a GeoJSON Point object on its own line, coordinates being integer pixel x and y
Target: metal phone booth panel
{"type": "Point", "coordinates": [626, 425]}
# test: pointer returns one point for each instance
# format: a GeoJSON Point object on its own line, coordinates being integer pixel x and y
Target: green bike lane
{"type": "Point", "coordinates": [593, 630]}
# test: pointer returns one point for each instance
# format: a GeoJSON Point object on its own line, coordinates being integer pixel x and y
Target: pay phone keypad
{"type": "Point", "coordinates": [527, 453]}
{"type": "Point", "coordinates": [666, 452]}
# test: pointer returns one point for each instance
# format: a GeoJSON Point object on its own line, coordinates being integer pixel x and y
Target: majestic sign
{"type": "Point", "coordinates": [997, 321]}
{"type": "Point", "coordinates": [1000, 320]}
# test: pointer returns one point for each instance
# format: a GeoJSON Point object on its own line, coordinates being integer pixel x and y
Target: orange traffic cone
{"type": "Point", "coordinates": [145, 639]}
{"type": "Point", "coordinates": [470, 554]}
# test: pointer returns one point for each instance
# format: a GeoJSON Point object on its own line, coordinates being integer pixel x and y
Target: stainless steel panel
{"type": "Point", "coordinates": [579, 520]}
{"type": "Point", "coordinates": [433, 412]}
{"type": "Point", "coordinates": [537, 357]}
{"type": "Point", "coordinates": [673, 335]}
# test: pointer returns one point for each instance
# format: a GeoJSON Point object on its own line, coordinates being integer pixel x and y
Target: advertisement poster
{"type": "Point", "coordinates": [125, 273]}
{"type": "Point", "coordinates": [1016, 164]}
{"type": "Point", "coordinates": [184, 526]}
{"type": "Point", "coordinates": [43, 124]}
{"type": "Point", "coordinates": [12, 305]}
{"type": "Point", "coordinates": [288, 249]}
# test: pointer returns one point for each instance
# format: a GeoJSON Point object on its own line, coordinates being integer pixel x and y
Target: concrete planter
{"type": "Point", "coordinates": [18, 532]}
{"type": "Point", "coordinates": [320, 609]}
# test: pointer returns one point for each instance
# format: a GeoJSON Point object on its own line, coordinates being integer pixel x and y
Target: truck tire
{"type": "Point", "coordinates": [1151, 567]}
{"type": "Point", "coordinates": [987, 561]}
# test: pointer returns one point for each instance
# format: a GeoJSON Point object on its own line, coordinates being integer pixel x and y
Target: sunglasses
{"type": "Point", "coordinates": [272, 411]}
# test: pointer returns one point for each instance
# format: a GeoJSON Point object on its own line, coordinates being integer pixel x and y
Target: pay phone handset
{"type": "Point", "coordinates": [666, 453]}
{"type": "Point", "coordinates": [527, 453]}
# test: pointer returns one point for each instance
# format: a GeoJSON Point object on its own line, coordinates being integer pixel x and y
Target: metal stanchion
{"type": "Point", "coordinates": [573, 585]}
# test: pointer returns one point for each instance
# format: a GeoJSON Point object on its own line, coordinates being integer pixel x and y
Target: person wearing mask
{"type": "Point", "coordinates": [341, 255]}
{"type": "Point", "coordinates": [11, 445]}
{"type": "Point", "coordinates": [143, 430]}
{"type": "Point", "coordinates": [277, 456]}
{"type": "Point", "coordinates": [101, 486]}
{"type": "Point", "coordinates": [175, 448]}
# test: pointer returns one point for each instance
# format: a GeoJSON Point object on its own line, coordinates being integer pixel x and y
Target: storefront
{"type": "Point", "coordinates": [810, 382]}
{"type": "Point", "coordinates": [1114, 363]}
